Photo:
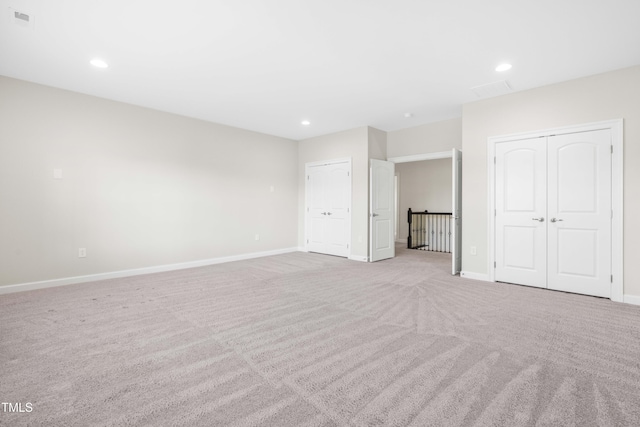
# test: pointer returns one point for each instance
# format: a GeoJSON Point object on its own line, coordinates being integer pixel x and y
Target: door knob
{"type": "Point", "coordinates": [541, 219]}
{"type": "Point", "coordinates": [375, 214]}
{"type": "Point", "coordinates": [554, 220]}
{"type": "Point", "coordinates": [328, 213]}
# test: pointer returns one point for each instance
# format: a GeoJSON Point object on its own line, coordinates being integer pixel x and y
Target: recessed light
{"type": "Point", "coordinates": [306, 123]}
{"type": "Point", "coordinates": [408, 115]}
{"type": "Point", "coordinates": [503, 67]}
{"type": "Point", "coordinates": [99, 63]}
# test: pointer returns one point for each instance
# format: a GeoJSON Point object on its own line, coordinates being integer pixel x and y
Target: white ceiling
{"type": "Point", "coordinates": [266, 65]}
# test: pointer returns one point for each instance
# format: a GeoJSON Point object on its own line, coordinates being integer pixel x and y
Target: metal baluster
{"type": "Point", "coordinates": [431, 236]}
{"type": "Point", "coordinates": [441, 233]}
{"type": "Point", "coordinates": [439, 228]}
{"type": "Point", "coordinates": [438, 233]}
{"type": "Point", "coordinates": [449, 234]}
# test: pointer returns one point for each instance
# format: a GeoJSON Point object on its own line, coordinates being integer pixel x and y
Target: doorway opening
{"type": "Point", "coordinates": [430, 182]}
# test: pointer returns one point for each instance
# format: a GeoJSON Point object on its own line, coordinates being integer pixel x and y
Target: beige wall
{"type": "Point", "coordinates": [140, 188]}
{"type": "Point", "coordinates": [143, 188]}
{"type": "Point", "coordinates": [430, 138]}
{"type": "Point", "coordinates": [601, 97]}
{"type": "Point", "coordinates": [377, 144]}
{"type": "Point", "coordinates": [352, 143]}
{"type": "Point", "coordinates": [423, 185]}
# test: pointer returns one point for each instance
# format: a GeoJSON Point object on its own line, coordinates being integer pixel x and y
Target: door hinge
{"type": "Point", "coordinates": [494, 160]}
{"type": "Point", "coordinates": [611, 213]}
{"type": "Point", "coordinates": [612, 278]}
{"type": "Point", "coordinates": [495, 212]}
{"type": "Point", "coordinates": [612, 149]}
{"type": "Point", "coordinates": [307, 240]}
{"type": "Point", "coordinates": [307, 177]}
{"type": "Point", "coordinates": [494, 264]}
{"type": "Point", "coordinates": [348, 173]}
{"type": "Point", "coordinates": [347, 246]}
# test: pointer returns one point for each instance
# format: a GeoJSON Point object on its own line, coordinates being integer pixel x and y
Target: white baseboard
{"type": "Point", "coordinates": [138, 271]}
{"type": "Point", "coordinates": [475, 276]}
{"type": "Point", "coordinates": [632, 299]}
{"type": "Point", "coordinates": [359, 258]}
{"type": "Point", "coordinates": [628, 299]}
{"type": "Point", "coordinates": [401, 241]}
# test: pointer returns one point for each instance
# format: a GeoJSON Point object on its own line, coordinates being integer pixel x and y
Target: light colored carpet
{"type": "Point", "coordinates": [312, 340]}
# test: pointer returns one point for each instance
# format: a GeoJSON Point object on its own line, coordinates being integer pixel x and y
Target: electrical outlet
{"type": "Point", "coordinates": [82, 252]}
{"type": "Point", "coordinates": [257, 237]}
{"type": "Point", "coordinates": [474, 250]}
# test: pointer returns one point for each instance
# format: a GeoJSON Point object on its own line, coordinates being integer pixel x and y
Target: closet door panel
{"type": "Point", "coordinates": [338, 204]}
{"type": "Point", "coordinates": [328, 198]}
{"type": "Point", "coordinates": [579, 229]}
{"type": "Point", "coordinates": [521, 212]}
{"type": "Point", "coordinates": [316, 204]}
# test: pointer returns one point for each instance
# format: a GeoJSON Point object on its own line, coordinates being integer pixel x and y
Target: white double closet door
{"type": "Point", "coordinates": [553, 212]}
{"type": "Point", "coordinates": [328, 210]}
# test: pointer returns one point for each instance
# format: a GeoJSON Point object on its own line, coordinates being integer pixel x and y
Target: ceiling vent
{"type": "Point", "coordinates": [21, 18]}
{"type": "Point", "coordinates": [492, 89]}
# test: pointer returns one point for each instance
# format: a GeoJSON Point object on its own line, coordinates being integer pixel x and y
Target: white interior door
{"type": "Point", "coordinates": [520, 212]}
{"type": "Point", "coordinates": [328, 217]}
{"type": "Point", "coordinates": [317, 181]}
{"type": "Point", "coordinates": [579, 206]}
{"type": "Point", "coordinates": [456, 210]}
{"type": "Point", "coordinates": [338, 202]}
{"type": "Point", "coordinates": [381, 210]}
